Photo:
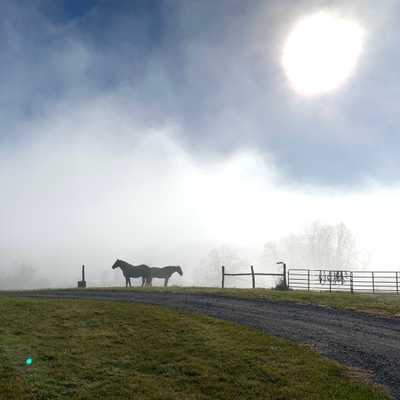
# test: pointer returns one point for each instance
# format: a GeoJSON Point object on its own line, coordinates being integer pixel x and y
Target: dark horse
{"type": "Point", "coordinates": [165, 273]}
{"type": "Point", "coordinates": [134, 271]}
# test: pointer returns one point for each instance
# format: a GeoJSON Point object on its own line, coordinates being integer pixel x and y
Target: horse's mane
{"type": "Point", "coordinates": [126, 264]}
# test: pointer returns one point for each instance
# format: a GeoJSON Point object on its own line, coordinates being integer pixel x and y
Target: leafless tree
{"type": "Point", "coordinates": [319, 246]}
{"type": "Point", "coordinates": [211, 265]}
{"type": "Point", "coordinates": [23, 276]}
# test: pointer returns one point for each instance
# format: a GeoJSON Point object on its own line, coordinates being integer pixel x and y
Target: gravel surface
{"type": "Point", "coordinates": [356, 339]}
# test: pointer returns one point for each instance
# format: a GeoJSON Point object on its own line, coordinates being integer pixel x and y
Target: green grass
{"type": "Point", "coordinates": [386, 304]}
{"type": "Point", "coordinates": [108, 350]}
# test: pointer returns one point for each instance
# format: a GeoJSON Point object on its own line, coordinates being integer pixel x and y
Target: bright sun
{"type": "Point", "coordinates": [321, 52]}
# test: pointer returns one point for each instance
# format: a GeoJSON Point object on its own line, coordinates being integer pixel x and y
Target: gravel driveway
{"type": "Point", "coordinates": [355, 339]}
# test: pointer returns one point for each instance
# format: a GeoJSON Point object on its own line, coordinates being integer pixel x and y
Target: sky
{"type": "Point", "coordinates": [155, 131]}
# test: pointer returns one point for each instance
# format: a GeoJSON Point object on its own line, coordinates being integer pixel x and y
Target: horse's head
{"type": "Point", "coordinates": [179, 270]}
{"type": "Point", "coordinates": [116, 264]}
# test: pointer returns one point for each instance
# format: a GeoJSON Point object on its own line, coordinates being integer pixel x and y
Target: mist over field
{"type": "Point", "coordinates": [133, 132]}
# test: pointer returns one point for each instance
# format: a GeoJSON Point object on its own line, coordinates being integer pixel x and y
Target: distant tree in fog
{"type": "Point", "coordinates": [210, 268]}
{"type": "Point", "coordinates": [22, 276]}
{"type": "Point", "coordinates": [319, 246]}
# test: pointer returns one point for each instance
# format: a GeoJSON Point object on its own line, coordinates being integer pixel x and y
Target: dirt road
{"type": "Point", "coordinates": [356, 339]}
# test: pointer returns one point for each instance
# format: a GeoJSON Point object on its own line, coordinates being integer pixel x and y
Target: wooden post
{"type": "Point", "coordinates": [330, 281]}
{"type": "Point", "coordinates": [253, 277]}
{"type": "Point", "coordinates": [351, 282]}
{"type": "Point", "coordinates": [288, 279]}
{"type": "Point", "coordinates": [308, 279]}
{"type": "Point", "coordinates": [285, 283]}
{"type": "Point", "coordinates": [373, 283]}
{"type": "Point", "coordinates": [223, 277]}
{"type": "Point", "coordinates": [82, 283]}
{"type": "Point", "coordinates": [284, 277]}
{"type": "Point", "coordinates": [397, 283]}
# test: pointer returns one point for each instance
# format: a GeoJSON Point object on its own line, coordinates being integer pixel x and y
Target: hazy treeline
{"type": "Point", "coordinates": [318, 246]}
{"type": "Point", "coordinates": [22, 276]}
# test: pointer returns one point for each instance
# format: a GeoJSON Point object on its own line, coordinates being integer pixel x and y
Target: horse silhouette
{"type": "Point", "coordinates": [165, 273]}
{"type": "Point", "coordinates": [134, 271]}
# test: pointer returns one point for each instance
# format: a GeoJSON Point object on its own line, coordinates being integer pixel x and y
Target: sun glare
{"type": "Point", "coordinates": [321, 52]}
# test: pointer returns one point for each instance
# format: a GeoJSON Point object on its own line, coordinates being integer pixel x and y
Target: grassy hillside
{"type": "Point", "coordinates": [107, 350]}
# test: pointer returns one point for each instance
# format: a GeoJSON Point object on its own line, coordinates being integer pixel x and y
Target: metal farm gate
{"type": "Point", "coordinates": [343, 281]}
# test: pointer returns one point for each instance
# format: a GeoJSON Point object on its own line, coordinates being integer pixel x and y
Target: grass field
{"type": "Point", "coordinates": [386, 304]}
{"type": "Point", "coordinates": [108, 350]}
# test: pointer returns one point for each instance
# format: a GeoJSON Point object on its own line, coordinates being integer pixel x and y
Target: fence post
{"type": "Point", "coordinates": [82, 283]}
{"type": "Point", "coordinates": [397, 283]}
{"type": "Point", "coordinates": [253, 277]}
{"type": "Point", "coordinates": [373, 283]}
{"type": "Point", "coordinates": [351, 282]}
{"type": "Point", "coordinates": [330, 281]}
{"type": "Point", "coordinates": [288, 278]}
{"type": "Point", "coordinates": [308, 279]}
{"type": "Point", "coordinates": [285, 284]}
{"type": "Point", "coordinates": [223, 277]}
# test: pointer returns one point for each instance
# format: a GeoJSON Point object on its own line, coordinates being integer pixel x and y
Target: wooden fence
{"type": "Point", "coordinates": [254, 274]}
{"type": "Point", "coordinates": [344, 281]}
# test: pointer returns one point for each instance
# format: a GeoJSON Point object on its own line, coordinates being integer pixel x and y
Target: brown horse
{"type": "Point", "coordinates": [134, 271]}
{"type": "Point", "coordinates": [165, 273]}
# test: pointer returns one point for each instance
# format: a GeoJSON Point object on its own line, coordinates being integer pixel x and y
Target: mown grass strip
{"type": "Point", "coordinates": [93, 350]}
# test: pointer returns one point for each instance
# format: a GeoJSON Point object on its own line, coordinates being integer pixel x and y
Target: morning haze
{"type": "Point", "coordinates": [168, 133]}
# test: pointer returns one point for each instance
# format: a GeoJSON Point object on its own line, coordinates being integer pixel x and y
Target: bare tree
{"type": "Point", "coordinates": [319, 246]}
{"type": "Point", "coordinates": [23, 276]}
{"type": "Point", "coordinates": [211, 265]}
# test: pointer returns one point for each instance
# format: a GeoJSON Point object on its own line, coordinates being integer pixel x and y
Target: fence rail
{"type": "Point", "coordinates": [254, 274]}
{"type": "Point", "coordinates": [344, 281]}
